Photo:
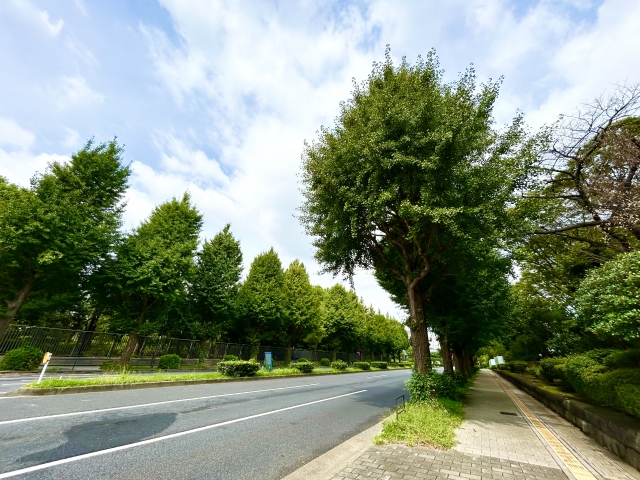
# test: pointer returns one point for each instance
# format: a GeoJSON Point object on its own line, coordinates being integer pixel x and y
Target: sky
{"type": "Point", "coordinates": [218, 97]}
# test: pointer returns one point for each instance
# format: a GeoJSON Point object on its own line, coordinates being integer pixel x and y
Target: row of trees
{"type": "Point", "coordinates": [64, 261]}
{"type": "Point", "coordinates": [415, 183]}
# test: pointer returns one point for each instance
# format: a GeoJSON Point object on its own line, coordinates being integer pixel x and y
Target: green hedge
{"type": "Point", "coordinates": [303, 360]}
{"type": "Point", "coordinates": [169, 361]}
{"type": "Point", "coordinates": [422, 388]}
{"type": "Point", "coordinates": [22, 359]}
{"type": "Point", "coordinates": [381, 365]}
{"type": "Point", "coordinates": [362, 365]}
{"type": "Point", "coordinates": [304, 367]}
{"type": "Point", "coordinates": [548, 368]}
{"type": "Point", "coordinates": [517, 366]}
{"type": "Point", "coordinates": [238, 368]}
{"type": "Point", "coordinates": [339, 365]}
{"type": "Point", "coordinates": [230, 358]}
{"type": "Point", "coordinates": [325, 362]}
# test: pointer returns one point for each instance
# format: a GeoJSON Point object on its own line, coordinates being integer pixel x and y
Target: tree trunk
{"type": "Point", "coordinates": [420, 335]}
{"type": "Point", "coordinates": [88, 334]}
{"type": "Point", "coordinates": [287, 353]}
{"type": "Point", "coordinates": [446, 356]}
{"type": "Point", "coordinates": [462, 362]}
{"type": "Point", "coordinates": [13, 307]}
{"type": "Point", "coordinates": [334, 355]}
{"type": "Point", "coordinates": [132, 344]}
{"type": "Point", "coordinates": [255, 350]}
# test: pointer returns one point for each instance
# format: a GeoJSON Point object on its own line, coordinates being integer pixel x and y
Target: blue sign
{"type": "Point", "coordinates": [268, 362]}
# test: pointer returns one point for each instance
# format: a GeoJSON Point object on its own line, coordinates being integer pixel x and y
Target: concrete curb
{"type": "Point", "coordinates": [172, 383]}
{"type": "Point", "coordinates": [335, 460]}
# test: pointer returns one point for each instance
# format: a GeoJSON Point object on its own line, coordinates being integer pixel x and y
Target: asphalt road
{"type": "Point", "coordinates": [246, 430]}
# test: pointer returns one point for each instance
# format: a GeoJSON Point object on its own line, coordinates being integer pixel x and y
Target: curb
{"type": "Point", "coordinates": [172, 383]}
{"type": "Point", "coordinates": [335, 460]}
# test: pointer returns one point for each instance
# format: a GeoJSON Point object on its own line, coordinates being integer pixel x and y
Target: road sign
{"type": "Point", "coordinates": [45, 363]}
{"type": "Point", "coordinates": [268, 361]}
{"type": "Point", "coordinates": [46, 358]}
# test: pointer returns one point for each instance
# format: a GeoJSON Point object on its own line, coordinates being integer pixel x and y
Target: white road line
{"type": "Point", "coordinates": [86, 412]}
{"type": "Point", "coordinates": [378, 376]}
{"type": "Point", "coordinates": [166, 437]}
{"type": "Point", "coordinates": [2, 393]}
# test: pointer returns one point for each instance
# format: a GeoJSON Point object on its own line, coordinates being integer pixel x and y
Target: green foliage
{"type": "Point", "coordinates": [110, 366]}
{"type": "Point", "coordinates": [238, 368]}
{"type": "Point", "coordinates": [303, 360]}
{"type": "Point", "coordinates": [230, 358]}
{"type": "Point", "coordinates": [459, 379]}
{"type": "Point", "coordinates": [548, 368]}
{"type": "Point", "coordinates": [517, 366]}
{"type": "Point", "coordinates": [412, 174]}
{"type": "Point", "coordinates": [217, 282]}
{"type": "Point", "coordinates": [339, 365]}
{"type": "Point", "coordinates": [362, 365]}
{"type": "Point", "coordinates": [381, 365]}
{"type": "Point", "coordinates": [22, 359]}
{"type": "Point", "coordinates": [325, 362]}
{"type": "Point", "coordinates": [262, 298]}
{"type": "Point", "coordinates": [304, 367]}
{"type": "Point", "coordinates": [424, 388]}
{"type": "Point", "coordinates": [342, 313]}
{"type": "Point", "coordinates": [170, 361]}
{"type": "Point", "coordinates": [628, 399]}
{"type": "Point", "coordinates": [301, 305]}
{"type": "Point", "coordinates": [607, 300]}
{"type": "Point", "coordinates": [623, 359]}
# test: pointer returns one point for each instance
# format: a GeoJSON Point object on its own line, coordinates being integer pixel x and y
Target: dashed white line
{"type": "Point", "coordinates": [166, 402]}
{"type": "Point", "coordinates": [166, 437]}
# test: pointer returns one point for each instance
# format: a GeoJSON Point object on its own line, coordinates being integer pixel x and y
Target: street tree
{"type": "Point", "coordinates": [154, 265]}
{"type": "Point", "coordinates": [342, 314]}
{"type": "Point", "coordinates": [301, 306]}
{"type": "Point", "coordinates": [412, 171]}
{"type": "Point", "coordinates": [262, 299]}
{"type": "Point", "coordinates": [62, 227]}
{"type": "Point", "coordinates": [217, 282]}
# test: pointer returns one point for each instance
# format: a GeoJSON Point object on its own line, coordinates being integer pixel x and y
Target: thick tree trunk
{"type": "Point", "coordinates": [13, 307]}
{"type": "Point", "coordinates": [88, 334]}
{"type": "Point", "coordinates": [446, 356]}
{"type": "Point", "coordinates": [462, 362]}
{"type": "Point", "coordinates": [287, 353]}
{"type": "Point", "coordinates": [132, 344]}
{"type": "Point", "coordinates": [420, 334]}
{"type": "Point", "coordinates": [334, 355]}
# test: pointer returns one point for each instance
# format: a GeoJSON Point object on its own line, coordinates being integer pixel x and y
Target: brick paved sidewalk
{"type": "Point", "coordinates": [494, 445]}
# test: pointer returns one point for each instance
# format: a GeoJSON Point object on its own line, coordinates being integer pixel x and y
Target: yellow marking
{"type": "Point", "coordinates": [573, 464]}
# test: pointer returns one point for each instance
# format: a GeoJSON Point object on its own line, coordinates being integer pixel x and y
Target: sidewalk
{"type": "Point", "coordinates": [498, 440]}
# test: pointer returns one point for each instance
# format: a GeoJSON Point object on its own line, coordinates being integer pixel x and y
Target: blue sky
{"type": "Point", "coordinates": [218, 97]}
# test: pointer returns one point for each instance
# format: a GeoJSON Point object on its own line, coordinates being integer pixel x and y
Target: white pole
{"type": "Point", "coordinates": [45, 365]}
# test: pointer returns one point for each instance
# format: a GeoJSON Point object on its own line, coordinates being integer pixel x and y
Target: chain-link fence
{"type": "Point", "coordinates": [77, 343]}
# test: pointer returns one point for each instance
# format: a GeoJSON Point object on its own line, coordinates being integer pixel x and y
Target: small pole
{"type": "Point", "coordinates": [45, 364]}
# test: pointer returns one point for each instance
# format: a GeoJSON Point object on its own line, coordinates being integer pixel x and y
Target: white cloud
{"type": "Point", "coordinates": [74, 91]}
{"type": "Point", "coordinates": [32, 14]}
{"type": "Point", "coordinates": [19, 166]}
{"type": "Point", "coordinates": [81, 52]}
{"type": "Point", "coordinates": [14, 135]}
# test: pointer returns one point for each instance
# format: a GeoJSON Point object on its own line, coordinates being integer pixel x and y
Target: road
{"type": "Point", "coordinates": [245, 430]}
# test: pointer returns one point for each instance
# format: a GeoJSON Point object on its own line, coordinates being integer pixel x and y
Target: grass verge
{"type": "Point", "coordinates": [131, 377]}
{"type": "Point", "coordinates": [431, 424]}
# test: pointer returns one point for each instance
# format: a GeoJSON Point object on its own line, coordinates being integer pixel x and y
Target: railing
{"type": "Point", "coordinates": [77, 343]}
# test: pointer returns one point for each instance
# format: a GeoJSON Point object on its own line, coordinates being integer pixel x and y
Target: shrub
{"type": "Point", "coordinates": [169, 361]}
{"type": "Point", "coordinates": [517, 366]}
{"type": "Point", "coordinates": [629, 399]}
{"type": "Point", "coordinates": [381, 365]}
{"type": "Point", "coordinates": [303, 360]}
{"type": "Point", "coordinates": [339, 365]}
{"type": "Point", "coordinates": [304, 367]}
{"type": "Point", "coordinates": [229, 358]}
{"type": "Point", "coordinates": [23, 358]}
{"type": "Point", "coordinates": [623, 359]}
{"type": "Point", "coordinates": [362, 365]}
{"type": "Point", "coordinates": [238, 368]}
{"type": "Point", "coordinates": [459, 379]}
{"type": "Point", "coordinates": [422, 388]}
{"type": "Point", "coordinates": [325, 362]}
{"type": "Point", "coordinates": [548, 368]}
{"type": "Point", "coordinates": [535, 371]}
{"type": "Point", "coordinates": [580, 371]}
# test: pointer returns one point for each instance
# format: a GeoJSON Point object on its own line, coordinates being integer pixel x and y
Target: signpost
{"type": "Point", "coordinates": [45, 364]}
{"type": "Point", "coordinates": [268, 361]}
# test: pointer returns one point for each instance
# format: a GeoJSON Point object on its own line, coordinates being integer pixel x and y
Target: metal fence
{"type": "Point", "coordinates": [78, 343]}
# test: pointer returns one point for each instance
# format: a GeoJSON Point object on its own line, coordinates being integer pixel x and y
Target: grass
{"type": "Point", "coordinates": [431, 424]}
{"type": "Point", "coordinates": [115, 378]}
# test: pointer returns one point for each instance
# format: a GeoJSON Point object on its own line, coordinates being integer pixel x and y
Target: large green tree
{"type": "Point", "coordinates": [412, 171]}
{"type": "Point", "coordinates": [62, 227]}
{"type": "Point", "coordinates": [217, 282]}
{"type": "Point", "coordinates": [154, 265]}
{"type": "Point", "coordinates": [301, 306]}
{"type": "Point", "coordinates": [342, 314]}
{"type": "Point", "coordinates": [262, 299]}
